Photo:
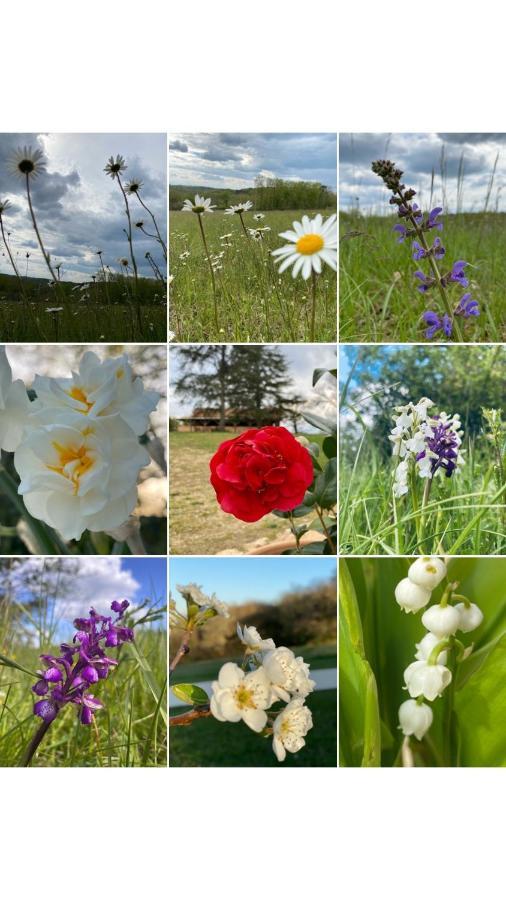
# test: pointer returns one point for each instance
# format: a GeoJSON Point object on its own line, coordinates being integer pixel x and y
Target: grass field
{"type": "Point", "coordinates": [378, 300]}
{"type": "Point", "coordinates": [130, 730]}
{"type": "Point", "coordinates": [211, 743]}
{"type": "Point", "coordinates": [97, 312]}
{"type": "Point", "coordinates": [254, 303]}
{"type": "Point", "coordinates": [197, 524]}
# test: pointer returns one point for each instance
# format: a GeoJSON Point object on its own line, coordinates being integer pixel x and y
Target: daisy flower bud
{"type": "Point", "coordinates": [426, 680]}
{"type": "Point", "coordinates": [411, 597]}
{"type": "Point", "coordinates": [471, 616]}
{"type": "Point", "coordinates": [441, 620]}
{"type": "Point", "coordinates": [427, 572]}
{"type": "Point", "coordinates": [415, 718]}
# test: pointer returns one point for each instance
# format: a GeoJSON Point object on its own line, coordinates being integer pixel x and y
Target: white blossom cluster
{"type": "Point", "coordinates": [200, 606]}
{"type": "Point", "coordinates": [412, 431]}
{"type": "Point", "coordinates": [429, 675]}
{"type": "Point", "coordinates": [269, 674]}
{"type": "Point", "coordinates": [76, 446]}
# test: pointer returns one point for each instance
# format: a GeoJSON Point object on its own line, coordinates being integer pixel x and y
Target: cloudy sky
{"type": "Point", "coordinates": [417, 155]}
{"type": "Point", "coordinates": [240, 580]}
{"type": "Point", "coordinates": [302, 360]}
{"type": "Point", "coordinates": [79, 209]}
{"type": "Point", "coordinates": [235, 160]}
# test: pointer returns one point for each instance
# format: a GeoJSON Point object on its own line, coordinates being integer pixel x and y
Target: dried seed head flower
{"type": "Point", "coordinates": [115, 166]}
{"type": "Point", "coordinates": [27, 163]}
{"type": "Point", "coordinates": [67, 678]}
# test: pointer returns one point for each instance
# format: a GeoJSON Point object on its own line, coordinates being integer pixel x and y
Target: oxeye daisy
{"type": "Point", "coordinates": [115, 166]}
{"type": "Point", "coordinates": [133, 186]}
{"type": "Point", "coordinates": [313, 241]}
{"type": "Point", "coordinates": [239, 208]}
{"type": "Point", "coordinates": [199, 205]}
{"type": "Point", "coordinates": [27, 163]}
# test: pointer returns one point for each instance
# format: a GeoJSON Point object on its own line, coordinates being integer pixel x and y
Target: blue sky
{"type": "Point", "coordinates": [236, 580]}
{"type": "Point", "coordinates": [419, 155]}
{"type": "Point", "coordinates": [234, 160]}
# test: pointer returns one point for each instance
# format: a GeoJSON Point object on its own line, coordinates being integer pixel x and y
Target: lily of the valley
{"type": "Point", "coordinates": [415, 718]}
{"type": "Point", "coordinates": [426, 680]}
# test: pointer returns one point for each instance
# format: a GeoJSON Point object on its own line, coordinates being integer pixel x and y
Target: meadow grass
{"type": "Point", "coordinates": [254, 302]}
{"type": "Point", "coordinates": [130, 731]}
{"type": "Point", "coordinates": [465, 513]}
{"type": "Point", "coordinates": [378, 299]}
{"type": "Point", "coordinates": [99, 311]}
{"type": "Point", "coordinates": [197, 524]}
{"type": "Point", "coordinates": [208, 742]}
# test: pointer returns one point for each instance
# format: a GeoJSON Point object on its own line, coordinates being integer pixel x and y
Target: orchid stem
{"type": "Point", "coordinates": [34, 743]}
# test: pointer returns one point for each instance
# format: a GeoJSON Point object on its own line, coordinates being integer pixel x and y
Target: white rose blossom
{"type": "Point", "coordinates": [238, 695]}
{"type": "Point", "coordinates": [290, 728]}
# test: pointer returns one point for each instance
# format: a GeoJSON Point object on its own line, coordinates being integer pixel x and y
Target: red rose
{"type": "Point", "coordinates": [260, 470]}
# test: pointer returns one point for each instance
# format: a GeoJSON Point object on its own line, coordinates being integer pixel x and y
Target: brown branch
{"type": "Point", "coordinates": [189, 717]}
{"type": "Point", "coordinates": [184, 648]}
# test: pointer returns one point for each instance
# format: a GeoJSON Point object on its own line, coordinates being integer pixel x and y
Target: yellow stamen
{"type": "Point", "coordinates": [77, 393]}
{"type": "Point", "coordinates": [244, 698]}
{"type": "Point", "coordinates": [68, 455]}
{"type": "Point", "coordinates": [309, 244]}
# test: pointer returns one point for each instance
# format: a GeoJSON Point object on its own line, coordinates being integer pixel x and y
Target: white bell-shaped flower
{"type": "Point", "coordinates": [441, 620]}
{"type": "Point", "coordinates": [471, 616]}
{"type": "Point", "coordinates": [427, 571]}
{"type": "Point", "coordinates": [411, 597]}
{"type": "Point", "coordinates": [426, 646]}
{"type": "Point", "coordinates": [425, 680]}
{"type": "Point", "coordinates": [415, 718]}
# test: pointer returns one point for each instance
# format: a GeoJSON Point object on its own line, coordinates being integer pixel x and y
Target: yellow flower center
{"type": "Point", "coordinates": [77, 393]}
{"type": "Point", "coordinates": [244, 698]}
{"type": "Point", "coordinates": [309, 244]}
{"type": "Point", "coordinates": [73, 462]}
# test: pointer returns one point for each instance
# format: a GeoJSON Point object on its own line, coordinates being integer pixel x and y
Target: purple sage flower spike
{"type": "Point", "coordinates": [467, 307]}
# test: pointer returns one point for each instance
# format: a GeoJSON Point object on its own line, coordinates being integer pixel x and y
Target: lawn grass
{"type": "Point", "coordinates": [378, 299]}
{"type": "Point", "coordinates": [97, 312]}
{"type": "Point", "coordinates": [322, 656]}
{"type": "Point", "coordinates": [208, 742]}
{"type": "Point", "coordinates": [254, 302]}
{"type": "Point", "coordinates": [197, 524]}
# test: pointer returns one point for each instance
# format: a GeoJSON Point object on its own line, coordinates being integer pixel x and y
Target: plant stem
{"type": "Point", "coordinates": [13, 264]}
{"type": "Point", "coordinates": [313, 305]}
{"type": "Point", "coordinates": [294, 532]}
{"type": "Point", "coordinates": [163, 245]}
{"type": "Point", "coordinates": [211, 270]}
{"type": "Point", "coordinates": [41, 245]}
{"type": "Point", "coordinates": [34, 743]}
{"type": "Point", "coordinates": [189, 717]}
{"type": "Point", "coordinates": [325, 529]}
{"type": "Point", "coordinates": [425, 500]}
{"type": "Point", "coordinates": [244, 226]}
{"type": "Point", "coordinates": [129, 233]}
{"type": "Point", "coordinates": [184, 648]}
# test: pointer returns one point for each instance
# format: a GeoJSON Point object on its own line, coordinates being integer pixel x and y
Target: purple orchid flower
{"type": "Point", "coordinates": [467, 307]}
{"type": "Point", "coordinates": [68, 677]}
{"type": "Point", "coordinates": [437, 323]}
{"type": "Point", "coordinates": [444, 444]}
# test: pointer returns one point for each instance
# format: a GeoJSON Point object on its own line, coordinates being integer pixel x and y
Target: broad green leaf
{"type": "Point", "coordinates": [360, 740]}
{"type": "Point", "coordinates": [480, 706]}
{"type": "Point", "coordinates": [329, 447]}
{"type": "Point", "coordinates": [325, 486]}
{"type": "Point", "coordinates": [191, 694]}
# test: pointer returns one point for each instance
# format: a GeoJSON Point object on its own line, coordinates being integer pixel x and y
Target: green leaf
{"type": "Point", "coordinates": [303, 510]}
{"type": "Point", "coordinates": [329, 447]}
{"type": "Point", "coordinates": [5, 661]}
{"type": "Point", "coordinates": [325, 487]}
{"type": "Point", "coordinates": [191, 694]}
{"type": "Point", "coordinates": [360, 729]}
{"type": "Point", "coordinates": [328, 426]}
{"type": "Point", "coordinates": [480, 706]}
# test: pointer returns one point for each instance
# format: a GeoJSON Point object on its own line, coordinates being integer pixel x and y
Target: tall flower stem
{"type": "Point", "coordinates": [13, 264]}
{"type": "Point", "coordinates": [313, 305]}
{"type": "Point", "coordinates": [199, 216]}
{"type": "Point", "coordinates": [129, 233]}
{"type": "Point", "coordinates": [37, 232]}
{"type": "Point", "coordinates": [34, 744]}
{"type": "Point", "coordinates": [244, 226]}
{"type": "Point", "coordinates": [160, 239]}
{"type": "Point", "coordinates": [435, 270]}
{"type": "Point", "coordinates": [425, 500]}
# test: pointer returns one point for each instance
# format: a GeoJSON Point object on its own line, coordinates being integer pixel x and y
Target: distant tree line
{"type": "Point", "coordinates": [267, 194]}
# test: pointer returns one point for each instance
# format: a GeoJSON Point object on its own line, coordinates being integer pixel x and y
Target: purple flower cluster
{"type": "Point", "coordinates": [418, 224]}
{"type": "Point", "coordinates": [444, 447]}
{"type": "Point", "coordinates": [68, 678]}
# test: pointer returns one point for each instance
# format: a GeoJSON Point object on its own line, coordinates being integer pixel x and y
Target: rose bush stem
{"type": "Point", "coordinates": [325, 529]}
{"type": "Point", "coordinates": [211, 270]}
{"type": "Point", "coordinates": [191, 716]}
{"type": "Point", "coordinates": [34, 743]}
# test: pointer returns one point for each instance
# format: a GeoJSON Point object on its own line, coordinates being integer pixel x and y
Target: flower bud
{"type": "Point", "coordinates": [53, 674]}
{"type": "Point", "coordinates": [441, 620]}
{"type": "Point", "coordinates": [415, 718]}
{"type": "Point", "coordinates": [427, 572]}
{"type": "Point", "coordinates": [411, 597]}
{"type": "Point", "coordinates": [471, 616]}
{"type": "Point", "coordinates": [424, 680]}
{"type": "Point", "coordinates": [426, 646]}
{"type": "Point", "coordinates": [90, 674]}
